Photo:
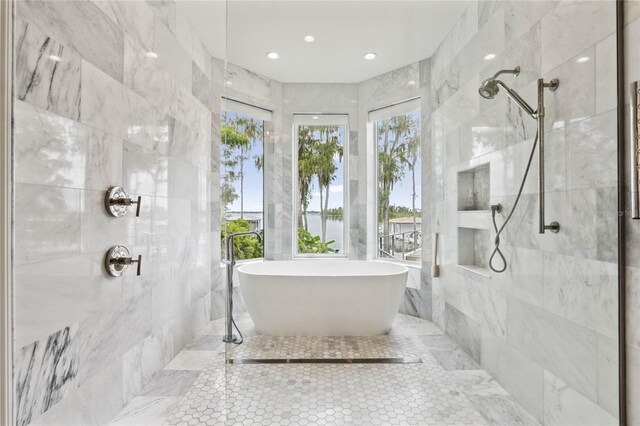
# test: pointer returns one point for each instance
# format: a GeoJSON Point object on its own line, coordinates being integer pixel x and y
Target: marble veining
{"type": "Point", "coordinates": [44, 372]}
{"type": "Point", "coordinates": [92, 110]}
{"type": "Point", "coordinates": [81, 26]}
{"type": "Point", "coordinates": [47, 72]}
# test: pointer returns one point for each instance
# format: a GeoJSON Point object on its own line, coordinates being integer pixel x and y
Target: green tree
{"type": "Point", "coordinates": [308, 243]}
{"type": "Point", "coordinates": [398, 148]}
{"type": "Point", "coordinates": [232, 139]}
{"type": "Point", "coordinates": [391, 157]}
{"type": "Point", "coordinates": [244, 247]}
{"type": "Point", "coordinates": [306, 171]}
{"type": "Point", "coordinates": [239, 135]}
{"type": "Point", "coordinates": [327, 150]}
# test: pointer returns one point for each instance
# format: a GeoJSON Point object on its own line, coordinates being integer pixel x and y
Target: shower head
{"type": "Point", "coordinates": [490, 87]}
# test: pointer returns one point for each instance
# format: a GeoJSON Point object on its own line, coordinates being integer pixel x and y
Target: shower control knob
{"type": "Point", "coordinates": [118, 259]}
{"type": "Point", "coordinates": [117, 201]}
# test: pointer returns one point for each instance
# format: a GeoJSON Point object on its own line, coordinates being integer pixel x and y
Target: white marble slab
{"type": "Point", "coordinates": [564, 348]}
{"type": "Point", "coordinates": [145, 411]}
{"type": "Point", "coordinates": [47, 72]}
{"type": "Point", "coordinates": [52, 150]}
{"type": "Point", "coordinates": [190, 360]}
{"type": "Point", "coordinates": [83, 27]}
{"type": "Point", "coordinates": [44, 373]}
{"type": "Point", "coordinates": [564, 405]}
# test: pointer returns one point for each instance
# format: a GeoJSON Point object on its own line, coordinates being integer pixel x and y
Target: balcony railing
{"type": "Point", "coordinates": [401, 245]}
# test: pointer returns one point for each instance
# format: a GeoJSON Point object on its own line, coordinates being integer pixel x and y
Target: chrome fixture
{"type": "Point", "coordinates": [118, 259]}
{"type": "Point", "coordinates": [230, 323]}
{"type": "Point", "coordinates": [117, 202]}
{"type": "Point", "coordinates": [634, 104]}
{"type": "Point", "coordinates": [489, 88]}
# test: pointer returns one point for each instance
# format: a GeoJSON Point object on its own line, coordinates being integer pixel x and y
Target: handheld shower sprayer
{"type": "Point", "coordinates": [489, 89]}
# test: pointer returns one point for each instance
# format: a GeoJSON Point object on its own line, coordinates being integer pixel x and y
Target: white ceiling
{"type": "Point", "coordinates": [400, 32]}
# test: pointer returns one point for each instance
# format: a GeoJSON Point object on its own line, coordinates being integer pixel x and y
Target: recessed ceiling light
{"type": "Point", "coordinates": [229, 82]}
{"type": "Point", "coordinates": [490, 56]}
{"type": "Point", "coordinates": [354, 101]}
{"type": "Point", "coordinates": [55, 58]}
{"type": "Point", "coordinates": [152, 55]}
{"type": "Point", "coordinates": [370, 56]}
{"type": "Point", "coordinates": [309, 39]}
{"type": "Point", "coordinates": [272, 55]}
{"type": "Point", "coordinates": [315, 117]}
{"type": "Point", "coordinates": [582, 60]}
{"type": "Point", "coordinates": [411, 83]}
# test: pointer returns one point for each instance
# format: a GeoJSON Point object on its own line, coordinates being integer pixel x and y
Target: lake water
{"type": "Point", "coordinates": [334, 229]}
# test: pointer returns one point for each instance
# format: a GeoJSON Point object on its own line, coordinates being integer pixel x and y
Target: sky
{"type": "Point", "coordinates": [253, 183]}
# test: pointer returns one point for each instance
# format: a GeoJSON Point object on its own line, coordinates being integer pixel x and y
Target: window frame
{"type": "Point", "coordinates": [306, 119]}
{"type": "Point", "coordinates": [265, 116]}
{"type": "Point", "coordinates": [385, 113]}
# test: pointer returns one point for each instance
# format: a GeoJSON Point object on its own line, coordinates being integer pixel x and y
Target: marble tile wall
{"type": "Point", "coordinates": [632, 73]}
{"type": "Point", "coordinates": [92, 110]}
{"type": "Point", "coordinates": [546, 328]}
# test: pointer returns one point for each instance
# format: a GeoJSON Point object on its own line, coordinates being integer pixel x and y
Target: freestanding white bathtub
{"type": "Point", "coordinates": [322, 297]}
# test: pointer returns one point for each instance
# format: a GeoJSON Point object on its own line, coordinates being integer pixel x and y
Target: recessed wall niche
{"type": "Point", "coordinates": [474, 221]}
{"type": "Point", "coordinates": [473, 188]}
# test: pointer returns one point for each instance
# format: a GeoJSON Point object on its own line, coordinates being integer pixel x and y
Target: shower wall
{"type": "Point", "coordinates": [632, 73]}
{"type": "Point", "coordinates": [108, 93]}
{"type": "Point", "coordinates": [546, 328]}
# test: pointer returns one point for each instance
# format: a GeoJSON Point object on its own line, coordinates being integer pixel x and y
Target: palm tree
{"type": "Point", "coordinates": [306, 170]}
{"type": "Point", "coordinates": [327, 150]}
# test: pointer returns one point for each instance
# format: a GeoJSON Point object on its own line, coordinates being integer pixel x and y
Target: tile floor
{"type": "Point", "coordinates": [448, 387]}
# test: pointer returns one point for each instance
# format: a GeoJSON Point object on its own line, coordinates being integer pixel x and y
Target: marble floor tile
{"type": "Point", "coordinates": [324, 394]}
{"type": "Point", "coordinates": [455, 360]}
{"type": "Point", "coordinates": [327, 347]}
{"type": "Point", "coordinates": [145, 411]}
{"type": "Point", "coordinates": [501, 410]}
{"type": "Point", "coordinates": [438, 342]}
{"type": "Point", "coordinates": [190, 360]}
{"type": "Point", "coordinates": [435, 391]}
{"type": "Point", "coordinates": [170, 383]}
{"type": "Point", "coordinates": [477, 382]}
{"type": "Point", "coordinates": [206, 342]}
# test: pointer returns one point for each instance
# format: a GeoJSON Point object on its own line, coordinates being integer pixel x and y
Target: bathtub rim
{"type": "Point", "coordinates": [403, 268]}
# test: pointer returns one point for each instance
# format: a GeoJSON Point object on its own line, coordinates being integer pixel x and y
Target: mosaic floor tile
{"type": "Point", "coordinates": [434, 392]}
{"type": "Point", "coordinates": [312, 394]}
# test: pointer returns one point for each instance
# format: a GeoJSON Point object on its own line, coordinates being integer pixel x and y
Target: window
{"type": "Point", "coordinates": [320, 175]}
{"type": "Point", "coordinates": [241, 179]}
{"type": "Point", "coordinates": [397, 135]}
